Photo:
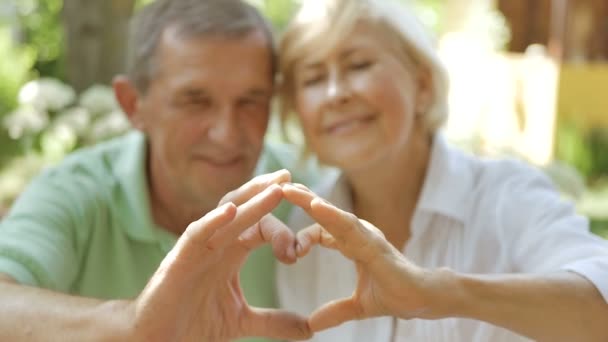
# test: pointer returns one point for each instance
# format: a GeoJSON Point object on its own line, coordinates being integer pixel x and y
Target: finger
{"type": "Point", "coordinates": [247, 215]}
{"type": "Point", "coordinates": [357, 239]}
{"type": "Point", "coordinates": [298, 196]}
{"type": "Point", "coordinates": [276, 324]}
{"type": "Point", "coordinates": [335, 313]}
{"type": "Point", "coordinates": [199, 232]}
{"type": "Point", "coordinates": [302, 187]}
{"type": "Point", "coordinates": [272, 230]}
{"type": "Point", "coordinates": [255, 186]}
{"type": "Point", "coordinates": [312, 235]}
{"type": "Point", "coordinates": [337, 222]}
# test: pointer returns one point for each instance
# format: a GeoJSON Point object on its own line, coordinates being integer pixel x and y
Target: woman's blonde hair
{"type": "Point", "coordinates": [320, 25]}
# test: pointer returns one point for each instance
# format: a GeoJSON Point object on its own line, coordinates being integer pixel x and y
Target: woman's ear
{"type": "Point", "coordinates": [127, 97]}
{"type": "Point", "coordinates": [424, 93]}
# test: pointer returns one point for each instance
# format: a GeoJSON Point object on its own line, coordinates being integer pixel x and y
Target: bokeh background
{"type": "Point", "coordinates": [529, 80]}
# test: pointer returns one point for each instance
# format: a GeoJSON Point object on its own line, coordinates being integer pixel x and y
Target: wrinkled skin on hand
{"type": "Point", "coordinates": [388, 284]}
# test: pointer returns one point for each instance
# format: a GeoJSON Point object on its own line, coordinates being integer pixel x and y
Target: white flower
{"type": "Point", "coordinates": [77, 118]}
{"type": "Point", "coordinates": [25, 120]}
{"type": "Point", "coordinates": [113, 124]}
{"type": "Point", "coordinates": [46, 94]}
{"type": "Point", "coordinates": [58, 140]}
{"type": "Point", "coordinates": [98, 99]}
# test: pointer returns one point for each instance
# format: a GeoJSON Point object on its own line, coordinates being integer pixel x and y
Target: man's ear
{"type": "Point", "coordinates": [127, 97]}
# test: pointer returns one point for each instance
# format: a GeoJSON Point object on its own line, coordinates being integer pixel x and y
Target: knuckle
{"type": "Point", "coordinates": [352, 218]}
{"type": "Point", "coordinates": [372, 229]}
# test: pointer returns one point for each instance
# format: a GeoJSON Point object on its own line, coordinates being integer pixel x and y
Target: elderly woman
{"type": "Point", "coordinates": [465, 249]}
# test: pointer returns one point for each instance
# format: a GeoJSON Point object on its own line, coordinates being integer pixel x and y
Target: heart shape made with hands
{"type": "Point", "coordinates": [388, 284]}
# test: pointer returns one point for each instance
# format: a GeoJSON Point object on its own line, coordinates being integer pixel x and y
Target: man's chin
{"type": "Point", "coordinates": [215, 188]}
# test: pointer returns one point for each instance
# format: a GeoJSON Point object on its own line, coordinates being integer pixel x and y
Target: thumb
{"type": "Point", "coordinates": [312, 235]}
{"type": "Point", "coordinates": [272, 230]}
{"type": "Point", "coordinates": [276, 324]}
{"type": "Point", "coordinates": [335, 313]}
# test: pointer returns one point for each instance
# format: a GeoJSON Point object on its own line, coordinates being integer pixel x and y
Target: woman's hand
{"type": "Point", "coordinates": [388, 284]}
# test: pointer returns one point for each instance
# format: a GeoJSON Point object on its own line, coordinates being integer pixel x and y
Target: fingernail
{"type": "Point", "coordinates": [319, 200]}
{"type": "Point", "coordinates": [224, 207]}
{"type": "Point", "coordinates": [280, 172]}
{"type": "Point", "coordinates": [220, 211]}
{"type": "Point", "coordinates": [273, 187]}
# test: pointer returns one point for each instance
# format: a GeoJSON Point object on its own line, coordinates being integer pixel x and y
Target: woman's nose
{"type": "Point", "coordinates": [338, 90]}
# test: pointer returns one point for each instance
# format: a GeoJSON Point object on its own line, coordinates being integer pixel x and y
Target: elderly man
{"type": "Point", "coordinates": [110, 244]}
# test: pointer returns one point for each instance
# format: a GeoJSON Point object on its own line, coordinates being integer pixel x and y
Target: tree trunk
{"type": "Point", "coordinates": [96, 37]}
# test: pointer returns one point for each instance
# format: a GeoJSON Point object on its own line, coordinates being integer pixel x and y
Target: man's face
{"type": "Point", "coordinates": [205, 113]}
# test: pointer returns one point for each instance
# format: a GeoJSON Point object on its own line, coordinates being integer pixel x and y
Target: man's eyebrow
{"type": "Point", "coordinates": [259, 93]}
{"type": "Point", "coordinates": [193, 93]}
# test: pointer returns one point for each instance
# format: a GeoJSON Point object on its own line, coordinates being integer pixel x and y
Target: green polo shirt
{"type": "Point", "coordinates": [84, 227]}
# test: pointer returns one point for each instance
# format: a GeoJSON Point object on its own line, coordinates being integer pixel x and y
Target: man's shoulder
{"type": "Point", "coordinates": [101, 162]}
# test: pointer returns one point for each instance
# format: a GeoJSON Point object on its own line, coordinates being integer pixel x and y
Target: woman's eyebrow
{"type": "Point", "coordinates": [348, 52]}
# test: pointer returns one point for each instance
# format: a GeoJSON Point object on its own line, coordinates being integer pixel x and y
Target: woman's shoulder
{"type": "Point", "coordinates": [511, 173]}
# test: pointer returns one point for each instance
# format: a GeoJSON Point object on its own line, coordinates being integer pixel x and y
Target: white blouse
{"type": "Point", "coordinates": [474, 216]}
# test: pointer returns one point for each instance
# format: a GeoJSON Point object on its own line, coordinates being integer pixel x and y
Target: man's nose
{"type": "Point", "coordinates": [225, 128]}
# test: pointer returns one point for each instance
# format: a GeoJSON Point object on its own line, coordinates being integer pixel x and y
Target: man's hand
{"type": "Point", "coordinates": [195, 295]}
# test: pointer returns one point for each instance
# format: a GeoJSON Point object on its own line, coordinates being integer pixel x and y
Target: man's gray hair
{"type": "Point", "coordinates": [191, 19]}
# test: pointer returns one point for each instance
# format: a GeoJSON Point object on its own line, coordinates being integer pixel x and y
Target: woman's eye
{"type": "Point", "coordinates": [312, 80]}
{"type": "Point", "coordinates": [360, 65]}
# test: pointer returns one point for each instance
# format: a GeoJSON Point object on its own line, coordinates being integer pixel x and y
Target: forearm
{"type": "Point", "coordinates": [31, 314]}
{"type": "Point", "coordinates": [560, 307]}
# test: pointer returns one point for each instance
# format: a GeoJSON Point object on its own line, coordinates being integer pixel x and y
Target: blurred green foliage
{"type": "Point", "coordinates": [278, 12]}
{"type": "Point", "coordinates": [585, 149]}
{"type": "Point", "coordinates": [600, 227]}
{"type": "Point", "coordinates": [31, 45]}
{"type": "Point", "coordinates": [41, 29]}
{"type": "Point", "coordinates": [16, 63]}
{"type": "Point", "coordinates": [15, 68]}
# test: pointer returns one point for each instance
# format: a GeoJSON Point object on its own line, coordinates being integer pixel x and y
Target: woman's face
{"type": "Point", "coordinates": [357, 104]}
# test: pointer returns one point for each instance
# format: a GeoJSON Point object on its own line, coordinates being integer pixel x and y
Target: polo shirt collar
{"type": "Point", "coordinates": [130, 171]}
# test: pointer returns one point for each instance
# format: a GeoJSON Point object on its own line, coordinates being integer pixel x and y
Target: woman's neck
{"type": "Point", "coordinates": [386, 194]}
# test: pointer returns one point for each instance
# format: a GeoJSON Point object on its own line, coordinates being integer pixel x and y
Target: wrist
{"type": "Point", "coordinates": [445, 294]}
{"type": "Point", "coordinates": [118, 321]}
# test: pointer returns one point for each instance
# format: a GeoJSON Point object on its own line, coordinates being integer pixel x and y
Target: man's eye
{"type": "Point", "coordinates": [249, 103]}
{"type": "Point", "coordinates": [199, 102]}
